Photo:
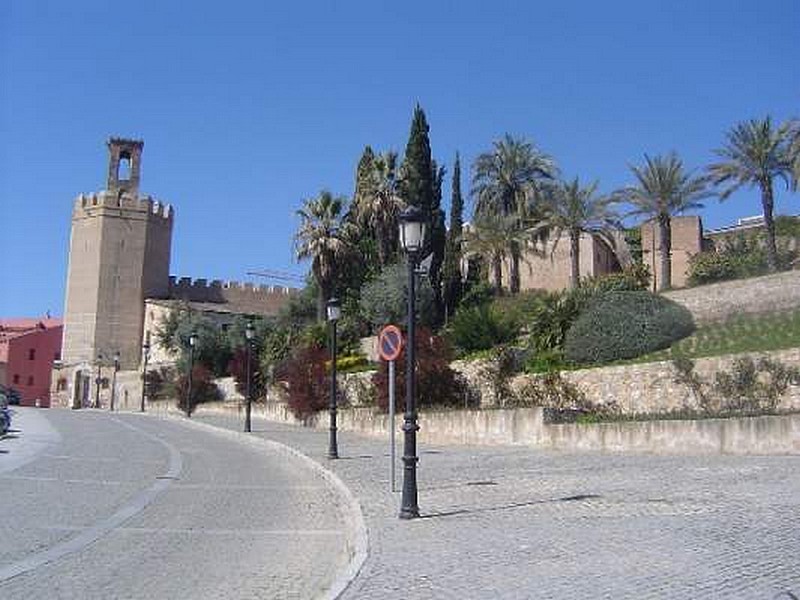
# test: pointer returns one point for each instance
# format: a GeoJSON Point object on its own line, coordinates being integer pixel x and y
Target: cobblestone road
{"type": "Point", "coordinates": [228, 520]}
{"type": "Point", "coordinates": [515, 523]}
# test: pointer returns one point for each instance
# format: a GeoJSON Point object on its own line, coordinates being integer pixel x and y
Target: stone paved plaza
{"type": "Point", "coordinates": [239, 517]}
{"type": "Point", "coordinates": [512, 523]}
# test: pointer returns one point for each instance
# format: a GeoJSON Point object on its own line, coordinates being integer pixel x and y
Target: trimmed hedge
{"type": "Point", "coordinates": [621, 325]}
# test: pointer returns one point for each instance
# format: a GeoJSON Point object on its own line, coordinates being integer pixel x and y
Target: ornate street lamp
{"type": "Point", "coordinates": [97, 381]}
{"type": "Point", "coordinates": [114, 381]}
{"type": "Point", "coordinates": [334, 312]}
{"type": "Point", "coordinates": [192, 343]}
{"type": "Point", "coordinates": [412, 238]}
{"type": "Point", "coordinates": [249, 332]}
{"type": "Point", "coordinates": [145, 358]}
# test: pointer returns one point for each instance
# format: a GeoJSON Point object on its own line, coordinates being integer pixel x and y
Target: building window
{"type": "Point", "coordinates": [32, 354]}
{"type": "Point", "coordinates": [61, 384]}
{"type": "Point", "coordinates": [57, 355]}
{"type": "Point", "coordinates": [30, 379]}
{"type": "Point", "coordinates": [16, 377]}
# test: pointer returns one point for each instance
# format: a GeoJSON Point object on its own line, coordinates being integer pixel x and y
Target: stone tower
{"type": "Point", "coordinates": [119, 255]}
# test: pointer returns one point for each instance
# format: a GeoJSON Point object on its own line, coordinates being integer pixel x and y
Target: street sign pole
{"type": "Point", "coordinates": [390, 343]}
{"type": "Point", "coordinates": [392, 425]}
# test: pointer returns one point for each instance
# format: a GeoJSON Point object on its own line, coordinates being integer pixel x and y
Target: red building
{"type": "Point", "coordinates": [28, 348]}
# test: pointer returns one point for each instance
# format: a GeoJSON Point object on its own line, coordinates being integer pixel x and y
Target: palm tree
{"type": "Point", "coordinates": [793, 134]}
{"type": "Point", "coordinates": [572, 210]}
{"type": "Point", "coordinates": [491, 236]}
{"type": "Point", "coordinates": [663, 189]}
{"type": "Point", "coordinates": [755, 154]}
{"type": "Point", "coordinates": [322, 238]}
{"type": "Point", "coordinates": [506, 181]}
{"type": "Point", "coordinates": [377, 204]}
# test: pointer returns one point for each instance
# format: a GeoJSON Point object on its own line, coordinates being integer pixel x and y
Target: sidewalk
{"type": "Point", "coordinates": [511, 522]}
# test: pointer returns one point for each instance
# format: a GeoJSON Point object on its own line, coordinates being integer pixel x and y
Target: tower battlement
{"type": "Point", "coordinates": [89, 204]}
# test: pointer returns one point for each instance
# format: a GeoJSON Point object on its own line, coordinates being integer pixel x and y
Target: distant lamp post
{"type": "Point", "coordinates": [334, 313]}
{"type": "Point", "coordinates": [464, 267]}
{"type": "Point", "coordinates": [97, 381]}
{"type": "Point", "coordinates": [412, 238]}
{"type": "Point", "coordinates": [145, 358]}
{"type": "Point", "coordinates": [192, 344]}
{"type": "Point", "coordinates": [114, 382]}
{"type": "Point", "coordinates": [249, 333]}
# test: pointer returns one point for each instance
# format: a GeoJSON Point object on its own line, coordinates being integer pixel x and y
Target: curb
{"type": "Point", "coordinates": [354, 517]}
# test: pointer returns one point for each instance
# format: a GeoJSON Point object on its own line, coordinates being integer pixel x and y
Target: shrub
{"type": "Point", "coordinates": [479, 292]}
{"type": "Point", "coordinates": [437, 383]}
{"type": "Point", "coordinates": [738, 257]}
{"type": "Point", "coordinates": [632, 278]}
{"type": "Point", "coordinates": [621, 325]}
{"type": "Point", "coordinates": [553, 317]}
{"type": "Point", "coordinates": [307, 380]}
{"type": "Point", "coordinates": [237, 367]}
{"type": "Point", "coordinates": [160, 384]}
{"type": "Point", "coordinates": [753, 387]}
{"type": "Point", "coordinates": [351, 362]}
{"type": "Point", "coordinates": [203, 389]}
{"type": "Point", "coordinates": [480, 327]}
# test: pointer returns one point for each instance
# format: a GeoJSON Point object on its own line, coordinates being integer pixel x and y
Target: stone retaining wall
{"type": "Point", "coordinates": [525, 426]}
{"type": "Point", "coordinates": [651, 387]}
{"type": "Point", "coordinates": [758, 295]}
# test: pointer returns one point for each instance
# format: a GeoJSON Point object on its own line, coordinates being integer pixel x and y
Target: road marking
{"type": "Point", "coordinates": [98, 530]}
{"type": "Point", "coordinates": [211, 532]}
{"type": "Point", "coordinates": [57, 480]}
{"type": "Point", "coordinates": [266, 488]}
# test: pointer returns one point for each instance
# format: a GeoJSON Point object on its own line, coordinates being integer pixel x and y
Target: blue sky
{"type": "Point", "coordinates": [246, 108]}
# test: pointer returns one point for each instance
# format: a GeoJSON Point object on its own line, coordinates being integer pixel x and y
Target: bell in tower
{"type": "Point", "coordinates": [124, 162]}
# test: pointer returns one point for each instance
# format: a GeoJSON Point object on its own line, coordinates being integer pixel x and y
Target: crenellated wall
{"type": "Point", "coordinates": [240, 297]}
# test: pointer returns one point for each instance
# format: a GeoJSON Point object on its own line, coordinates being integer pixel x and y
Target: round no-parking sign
{"type": "Point", "coordinates": [390, 343]}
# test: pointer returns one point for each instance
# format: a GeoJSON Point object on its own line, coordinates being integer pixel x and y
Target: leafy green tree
{"type": "Point", "coordinates": [212, 348]}
{"type": "Point", "coordinates": [324, 239]}
{"type": "Point", "coordinates": [663, 188]}
{"type": "Point", "coordinates": [506, 182]}
{"type": "Point", "coordinates": [571, 209]}
{"type": "Point", "coordinates": [384, 300]}
{"type": "Point", "coordinates": [451, 274]}
{"type": "Point", "coordinates": [755, 154]}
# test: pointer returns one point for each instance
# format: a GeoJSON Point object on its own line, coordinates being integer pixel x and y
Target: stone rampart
{"type": "Point", "coordinates": [242, 297]}
{"type": "Point", "coordinates": [718, 302]}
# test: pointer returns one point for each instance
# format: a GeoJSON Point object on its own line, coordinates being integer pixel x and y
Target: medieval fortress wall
{"type": "Point", "coordinates": [243, 297]}
{"type": "Point", "coordinates": [119, 257]}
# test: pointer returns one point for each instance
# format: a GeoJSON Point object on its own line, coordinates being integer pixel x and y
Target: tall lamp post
{"type": "Point", "coordinates": [412, 236]}
{"type": "Point", "coordinates": [334, 312]}
{"type": "Point", "coordinates": [114, 381]}
{"type": "Point", "coordinates": [192, 342]}
{"type": "Point", "coordinates": [249, 332]}
{"type": "Point", "coordinates": [145, 358]}
{"type": "Point", "coordinates": [97, 381]}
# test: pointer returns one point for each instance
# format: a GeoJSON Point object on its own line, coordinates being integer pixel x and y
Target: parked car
{"type": "Point", "coordinates": [12, 396]}
{"type": "Point", "coordinates": [5, 413]}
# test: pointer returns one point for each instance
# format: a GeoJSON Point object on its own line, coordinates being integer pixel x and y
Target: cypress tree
{"type": "Point", "coordinates": [420, 185]}
{"type": "Point", "coordinates": [417, 171]}
{"type": "Point", "coordinates": [363, 175]}
{"type": "Point", "coordinates": [452, 288]}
